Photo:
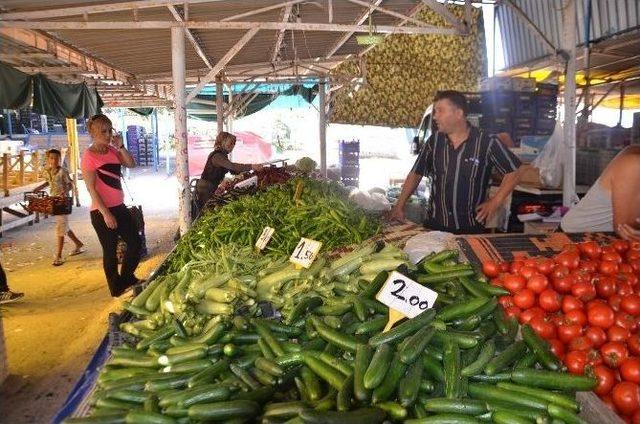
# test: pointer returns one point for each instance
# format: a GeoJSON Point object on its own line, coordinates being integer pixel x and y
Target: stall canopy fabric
{"type": "Point", "coordinates": [17, 89]}
{"type": "Point", "coordinates": [144, 111]}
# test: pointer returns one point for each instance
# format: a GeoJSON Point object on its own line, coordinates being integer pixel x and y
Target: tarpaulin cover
{"type": "Point", "coordinates": [15, 88]}
{"type": "Point", "coordinates": [64, 100]}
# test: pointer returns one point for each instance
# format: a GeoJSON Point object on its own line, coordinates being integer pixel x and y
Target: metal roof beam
{"type": "Point", "coordinates": [291, 26]}
{"type": "Point", "coordinates": [101, 8]}
{"type": "Point", "coordinates": [390, 12]}
{"type": "Point", "coordinates": [261, 10]}
{"type": "Point", "coordinates": [349, 34]}
{"type": "Point", "coordinates": [548, 45]}
{"type": "Point", "coordinates": [189, 34]}
{"type": "Point", "coordinates": [442, 10]}
{"type": "Point", "coordinates": [280, 36]}
{"type": "Point", "coordinates": [222, 62]}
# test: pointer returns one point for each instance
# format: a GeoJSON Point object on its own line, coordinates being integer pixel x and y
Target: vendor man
{"type": "Point", "coordinates": [459, 159]}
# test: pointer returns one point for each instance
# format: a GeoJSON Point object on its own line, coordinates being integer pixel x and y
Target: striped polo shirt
{"type": "Point", "coordinates": [460, 177]}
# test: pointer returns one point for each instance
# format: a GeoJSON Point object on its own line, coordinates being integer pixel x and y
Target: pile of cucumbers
{"type": "Point", "coordinates": [462, 362]}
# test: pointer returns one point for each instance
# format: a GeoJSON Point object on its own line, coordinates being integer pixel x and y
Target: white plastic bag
{"type": "Point", "coordinates": [375, 202]}
{"type": "Point", "coordinates": [423, 244]}
{"type": "Point", "coordinates": [551, 159]}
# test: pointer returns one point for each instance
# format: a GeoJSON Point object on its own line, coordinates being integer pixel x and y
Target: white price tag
{"type": "Point", "coordinates": [305, 252]}
{"type": "Point", "coordinates": [405, 295]}
{"type": "Point", "coordinates": [253, 181]}
{"type": "Point", "coordinates": [264, 238]}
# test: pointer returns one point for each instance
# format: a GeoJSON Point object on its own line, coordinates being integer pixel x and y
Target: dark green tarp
{"type": "Point", "coordinates": [64, 100]}
{"type": "Point", "coordinates": [144, 111]}
{"type": "Point", "coordinates": [15, 88]}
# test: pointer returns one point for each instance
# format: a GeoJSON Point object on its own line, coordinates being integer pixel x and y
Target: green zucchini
{"type": "Point", "coordinates": [378, 367]}
{"type": "Point", "coordinates": [227, 410]}
{"type": "Point", "coordinates": [364, 353]}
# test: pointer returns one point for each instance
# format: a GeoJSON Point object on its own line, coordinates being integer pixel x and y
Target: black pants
{"type": "Point", "coordinates": [3, 280]}
{"type": "Point", "coordinates": [118, 282]}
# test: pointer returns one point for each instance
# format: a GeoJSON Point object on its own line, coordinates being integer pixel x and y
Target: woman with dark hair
{"type": "Point", "coordinates": [101, 171]}
{"type": "Point", "coordinates": [217, 166]}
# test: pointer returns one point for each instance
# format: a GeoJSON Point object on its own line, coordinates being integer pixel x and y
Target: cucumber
{"type": "Point", "coordinates": [496, 378]}
{"type": "Point", "coordinates": [527, 361]}
{"type": "Point", "coordinates": [269, 366]}
{"type": "Point", "coordinates": [506, 358]}
{"type": "Point", "coordinates": [378, 367]}
{"type": "Point", "coordinates": [455, 406]}
{"type": "Point", "coordinates": [184, 348]}
{"type": "Point", "coordinates": [390, 382]}
{"type": "Point", "coordinates": [555, 398]}
{"type": "Point", "coordinates": [418, 411]}
{"type": "Point", "coordinates": [343, 341]}
{"type": "Point", "coordinates": [260, 396]}
{"type": "Point", "coordinates": [461, 309]}
{"type": "Point", "coordinates": [485, 355]}
{"type": "Point", "coordinates": [170, 381]}
{"type": "Point", "coordinates": [342, 365]}
{"type": "Point", "coordinates": [364, 353]}
{"type": "Point", "coordinates": [326, 372]}
{"type": "Point", "coordinates": [403, 330]}
{"type": "Point", "coordinates": [336, 309]}
{"type": "Point", "coordinates": [302, 307]}
{"type": "Point", "coordinates": [141, 298]}
{"type": "Point", "coordinates": [194, 366]}
{"type": "Point", "coordinates": [289, 359]}
{"type": "Point", "coordinates": [144, 417]}
{"type": "Point", "coordinates": [221, 411]}
{"type": "Point", "coordinates": [505, 417]}
{"type": "Point", "coordinates": [244, 376]}
{"type": "Point", "coordinates": [409, 385]}
{"type": "Point", "coordinates": [265, 349]}
{"type": "Point", "coordinates": [212, 335]}
{"type": "Point", "coordinates": [177, 358]}
{"type": "Point", "coordinates": [433, 368]}
{"type": "Point", "coordinates": [358, 416]}
{"type": "Point", "coordinates": [203, 394]}
{"type": "Point", "coordinates": [372, 326]}
{"type": "Point", "coordinates": [416, 345]}
{"type": "Point", "coordinates": [444, 276]}
{"type": "Point", "coordinates": [311, 383]}
{"type": "Point", "coordinates": [451, 366]}
{"type": "Point", "coordinates": [127, 395]}
{"type": "Point", "coordinates": [541, 349]}
{"type": "Point", "coordinates": [284, 410]}
{"type": "Point", "coordinates": [565, 415]}
{"type": "Point", "coordinates": [263, 377]}
{"type": "Point", "coordinates": [374, 286]}
{"type": "Point", "coordinates": [395, 410]}
{"type": "Point", "coordinates": [464, 339]}
{"type": "Point", "coordinates": [491, 393]}
{"type": "Point", "coordinates": [553, 380]}
{"type": "Point", "coordinates": [111, 418]}
{"type": "Point", "coordinates": [265, 334]}
{"type": "Point", "coordinates": [444, 419]}
{"type": "Point", "coordinates": [207, 375]}
{"type": "Point", "coordinates": [343, 398]}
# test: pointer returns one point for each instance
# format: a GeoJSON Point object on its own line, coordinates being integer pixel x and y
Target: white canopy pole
{"type": "Point", "coordinates": [569, 136]}
{"type": "Point", "coordinates": [219, 105]}
{"type": "Point", "coordinates": [323, 127]}
{"type": "Point", "coordinates": [180, 132]}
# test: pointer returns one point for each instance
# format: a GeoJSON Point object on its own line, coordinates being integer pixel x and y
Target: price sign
{"type": "Point", "coordinates": [405, 295]}
{"type": "Point", "coordinates": [305, 252]}
{"type": "Point", "coordinates": [264, 238]}
{"type": "Point", "coordinates": [253, 181]}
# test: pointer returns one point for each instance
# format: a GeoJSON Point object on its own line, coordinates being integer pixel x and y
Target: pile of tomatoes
{"type": "Point", "coordinates": [585, 302]}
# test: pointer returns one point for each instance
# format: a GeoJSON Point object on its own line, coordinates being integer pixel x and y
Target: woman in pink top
{"type": "Point", "coordinates": [101, 171]}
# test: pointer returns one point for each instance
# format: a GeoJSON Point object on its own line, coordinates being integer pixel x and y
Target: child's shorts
{"type": "Point", "coordinates": [62, 225]}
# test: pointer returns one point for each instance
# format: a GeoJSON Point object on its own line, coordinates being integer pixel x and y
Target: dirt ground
{"type": "Point", "coordinates": [53, 332]}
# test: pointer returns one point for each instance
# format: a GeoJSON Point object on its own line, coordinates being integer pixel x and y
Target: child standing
{"type": "Point", "coordinates": [60, 184]}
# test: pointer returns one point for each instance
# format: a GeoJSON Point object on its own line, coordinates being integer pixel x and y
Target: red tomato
{"type": "Point", "coordinates": [632, 255]}
{"type": "Point", "coordinates": [590, 249]}
{"type": "Point", "coordinates": [504, 266]}
{"type": "Point", "coordinates": [557, 319]}
{"type": "Point", "coordinates": [589, 266]}
{"type": "Point", "coordinates": [516, 265]}
{"type": "Point", "coordinates": [608, 249]}
{"type": "Point", "coordinates": [576, 360]}
{"type": "Point", "coordinates": [537, 283]}
{"type": "Point", "coordinates": [524, 299]}
{"type": "Point", "coordinates": [550, 300]}
{"type": "Point", "coordinates": [624, 289]}
{"type": "Point", "coordinates": [617, 334]}
{"type": "Point", "coordinates": [497, 281]}
{"type": "Point", "coordinates": [633, 343]}
{"type": "Point", "coordinates": [615, 302]}
{"type": "Point", "coordinates": [545, 266]}
{"type": "Point", "coordinates": [605, 287]}
{"type": "Point", "coordinates": [570, 303]}
{"type": "Point", "coordinates": [625, 320]}
{"type": "Point", "coordinates": [490, 269]}
{"type": "Point", "coordinates": [570, 259]}
{"type": "Point", "coordinates": [580, 343]}
{"type": "Point", "coordinates": [544, 327]}
{"type": "Point", "coordinates": [568, 332]}
{"type": "Point", "coordinates": [556, 347]}
{"type": "Point", "coordinates": [621, 246]}
{"type": "Point", "coordinates": [530, 262]}
{"type": "Point", "coordinates": [626, 397]}
{"type": "Point", "coordinates": [527, 271]}
{"type": "Point", "coordinates": [614, 353]}
{"type": "Point", "coordinates": [630, 370]}
{"type": "Point", "coordinates": [627, 276]}
{"type": "Point", "coordinates": [563, 284]}
{"type": "Point", "coordinates": [559, 271]}
{"type": "Point", "coordinates": [612, 256]}
{"type": "Point", "coordinates": [584, 291]}
{"type": "Point", "coordinates": [531, 313]}
{"type": "Point", "coordinates": [514, 283]}
{"type": "Point", "coordinates": [594, 358]}
{"type": "Point", "coordinates": [597, 336]}
{"type": "Point", "coordinates": [506, 301]}
{"type": "Point", "coordinates": [513, 312]}
{"type": "Point", "coordinates": [577, 316]}
{"type": "Point", "coordinates": [608, 400]}
{"type": "Point", "coordinates": [635, 419]}
{"type": "Point", "coordinates": [601, 316]}
{"type": "Point", "coordinates": [606, 379]}
{"type": "Point", "coordinates": [635, 264]}
{"type": "Point", "coordinates": [608, 267]}
{"type": "Point", "coordinates": [624, 268]}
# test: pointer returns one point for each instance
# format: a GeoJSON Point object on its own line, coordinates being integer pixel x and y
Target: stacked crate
{"type": "Point", "coordinates": [349, 152]}
{"type": "Point", "coordinates": [146, 153]}
{"type": "Point", "coordinates": [546, 106]}
{"type": "Point", "coordinates": [134, 135]}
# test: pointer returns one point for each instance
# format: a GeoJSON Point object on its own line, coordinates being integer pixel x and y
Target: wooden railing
{"type": "Point", "coordinates": [23, 169]}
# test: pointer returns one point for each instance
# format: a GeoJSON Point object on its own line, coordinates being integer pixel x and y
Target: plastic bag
{"type": "Point", "coordinates": [370, 201]}
{"type": "Point", "coordinates": [423, 244]}
{"type": "Point", "coordinates": [551, 159]}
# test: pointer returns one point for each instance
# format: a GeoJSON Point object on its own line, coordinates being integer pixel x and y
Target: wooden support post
{"type": "Point", "coordinates": [21, 168]}
{"type": "Point", "coordinates": [5, 175]}
{"type": "Point", "coordinates": [72, 138]}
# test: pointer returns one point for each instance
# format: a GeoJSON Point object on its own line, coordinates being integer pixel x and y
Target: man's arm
{"type": "Point", "coordinates": [509, 182]}
{"type": "Point", "coordinates": [409, 186]}
{"type": "Point", "coordinates": [625, 196]}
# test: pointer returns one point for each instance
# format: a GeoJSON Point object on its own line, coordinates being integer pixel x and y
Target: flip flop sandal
{"type": "Point", "coordinates": [77, 251]}
{"type": "Point", "coordinates": [58, 262]}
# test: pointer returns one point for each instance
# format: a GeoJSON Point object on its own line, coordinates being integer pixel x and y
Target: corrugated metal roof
{"type": "Point", "coordinates": [521, 45]}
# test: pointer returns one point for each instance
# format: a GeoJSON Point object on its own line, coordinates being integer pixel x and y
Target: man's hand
{"type": "Point", "coordinates": [396, 214]}
{"type": "Point", "coordinates": [110, 220]}
{"type": "Point", "coordinates": [628, 232]}
{"type": "Point", "coordinates": [486, 209]}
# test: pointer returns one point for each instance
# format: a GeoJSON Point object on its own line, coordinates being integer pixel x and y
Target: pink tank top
{"type": "Point", "coordinates": [108, 172]}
